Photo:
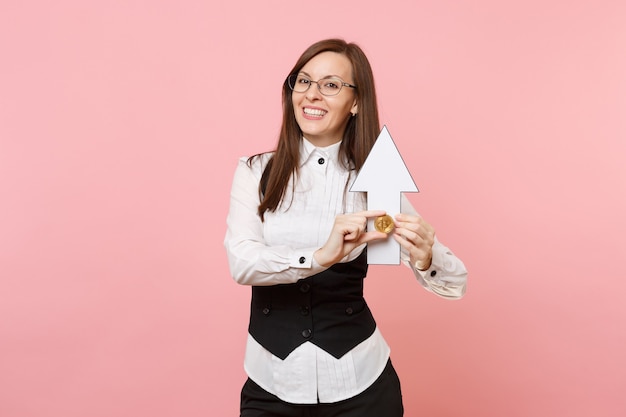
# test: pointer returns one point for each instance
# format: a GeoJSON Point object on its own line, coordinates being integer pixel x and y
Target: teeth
{"type": "Point", "coordinates": [314, 112]}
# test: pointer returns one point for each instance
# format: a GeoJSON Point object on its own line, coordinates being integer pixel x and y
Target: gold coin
{"type": "Point", "coordinates": [384, 223]}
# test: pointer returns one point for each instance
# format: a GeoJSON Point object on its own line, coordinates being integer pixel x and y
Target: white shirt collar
{"type": "Point", "coordinates": [307, 149]}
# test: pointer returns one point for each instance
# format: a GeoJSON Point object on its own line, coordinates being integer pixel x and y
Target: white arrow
{"type": "Point", "coordinates": [384, 176]}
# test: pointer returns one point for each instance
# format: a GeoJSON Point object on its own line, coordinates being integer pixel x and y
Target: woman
{"type": "Point", "coordinates": [298, 237]}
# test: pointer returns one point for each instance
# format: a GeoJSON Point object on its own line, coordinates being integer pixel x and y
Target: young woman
{"type": "Point", "coordinates": [298, 237]}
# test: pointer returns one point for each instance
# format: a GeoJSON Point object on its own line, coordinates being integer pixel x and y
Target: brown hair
{"type": "Point", "coordinates": [358, 139]}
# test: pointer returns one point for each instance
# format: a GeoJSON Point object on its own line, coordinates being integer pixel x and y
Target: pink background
{"type": "Point", "coordinates": [120, 126]}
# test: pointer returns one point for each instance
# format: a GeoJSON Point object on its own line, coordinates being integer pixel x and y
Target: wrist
{"type": "Point", "coordinates": [319, 257]}
{"type": "Point", "coordinates": [423, 265]}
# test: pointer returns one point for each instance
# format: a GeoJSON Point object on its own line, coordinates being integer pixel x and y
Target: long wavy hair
{"type": "Point", "coordinates": [358, 138]}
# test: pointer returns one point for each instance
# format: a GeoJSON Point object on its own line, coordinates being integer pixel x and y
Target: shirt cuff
{"type": "Point", "coordinates": [304, 260]}
{"type": "Point", "coordinates": [437, 277]}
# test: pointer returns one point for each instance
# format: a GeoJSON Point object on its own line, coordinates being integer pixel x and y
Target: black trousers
{"type": "Point", "coordinates": [382, 399]}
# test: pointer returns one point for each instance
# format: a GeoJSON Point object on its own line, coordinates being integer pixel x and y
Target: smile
{"type": "Point", "coordinates": [314, 112]}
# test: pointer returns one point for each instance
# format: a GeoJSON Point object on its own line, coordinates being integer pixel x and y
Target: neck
{"type": "Point", "coordinates": [322, 142]}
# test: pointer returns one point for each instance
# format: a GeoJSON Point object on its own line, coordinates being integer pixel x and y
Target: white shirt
{"type": "Point", "coordinates": [271, 252]}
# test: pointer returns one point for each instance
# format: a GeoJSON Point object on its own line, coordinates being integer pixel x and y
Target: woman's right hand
{"type": "Point", "coordinates": [347, 233]}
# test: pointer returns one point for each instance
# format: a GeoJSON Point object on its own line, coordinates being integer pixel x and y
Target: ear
{"type": "Point", "coordinates": [355, 108]}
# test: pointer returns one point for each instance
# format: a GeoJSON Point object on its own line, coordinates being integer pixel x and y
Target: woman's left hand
{"type": "Point", "coordinates": [417, 236]}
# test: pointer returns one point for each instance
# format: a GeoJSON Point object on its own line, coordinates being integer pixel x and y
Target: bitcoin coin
{"type": "Point", "coordinates": [384, 223]}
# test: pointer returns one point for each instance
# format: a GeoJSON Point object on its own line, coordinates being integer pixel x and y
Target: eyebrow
{"type": "Point", "coordinates": [326, 76]}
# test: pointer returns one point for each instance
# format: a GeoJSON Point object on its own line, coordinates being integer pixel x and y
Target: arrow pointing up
{"type": "Point", "coordinates": [384, 176]}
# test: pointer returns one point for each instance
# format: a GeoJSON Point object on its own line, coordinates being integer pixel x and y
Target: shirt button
{"type": "Point", "coordinates": [302, 259]}
{"type": "Point", "coordinates": [433, 273]}
{"type": "Point", "coordinates": [306, 333]}
{"type": "Point", "coordinates": [305, 311]}
{"type": "Point", "coordinates": [305, 287]}
{"type": "Point", "coordinates": [320, 161]}
{"type": "Point", "coordinates": [349, 311]}
{"type": "Point", "coordinates": [266, 311]}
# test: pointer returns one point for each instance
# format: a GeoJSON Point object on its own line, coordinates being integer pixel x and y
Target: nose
{"type": "Point", "coordinates": [313, 93]}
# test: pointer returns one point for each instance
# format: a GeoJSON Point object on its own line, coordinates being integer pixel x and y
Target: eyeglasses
{"type": "Point", "coordinates": [329, 86]}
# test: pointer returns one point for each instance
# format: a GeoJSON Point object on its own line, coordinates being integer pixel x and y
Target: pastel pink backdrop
{"type": "Point", "coordinates": [120, 126]}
